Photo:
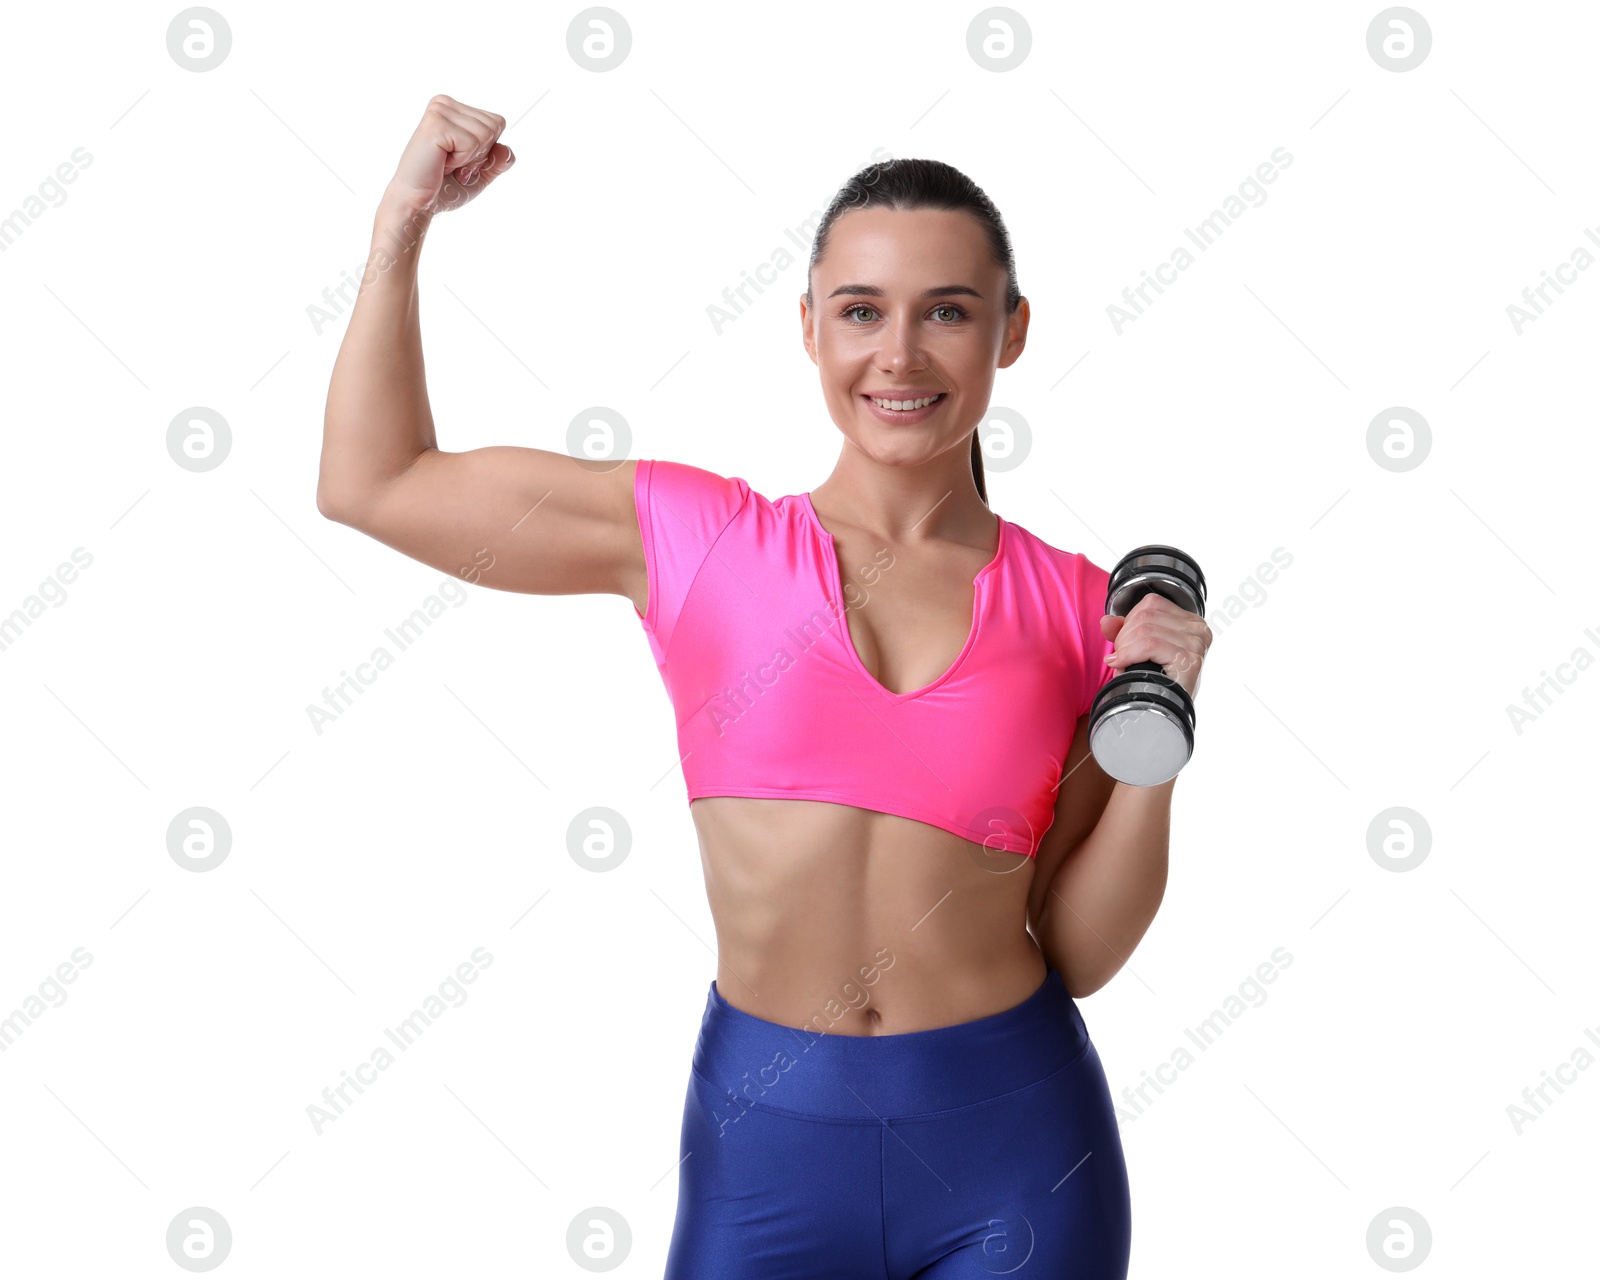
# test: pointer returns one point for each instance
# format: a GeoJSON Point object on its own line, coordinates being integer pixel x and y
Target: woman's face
{"type": "Point", "coordinates": [908, 304]}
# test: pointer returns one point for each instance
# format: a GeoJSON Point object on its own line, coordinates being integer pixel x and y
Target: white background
{"type": "Point", "coordinates": [369, 860]}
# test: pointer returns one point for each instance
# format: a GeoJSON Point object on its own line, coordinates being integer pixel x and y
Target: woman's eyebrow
{"type": "Point", "coordinates": [872, 291]}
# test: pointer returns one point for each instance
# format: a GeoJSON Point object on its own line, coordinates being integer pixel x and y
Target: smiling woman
{"type": "Point", "coordinates": [903, 774]}
{"type": "Point", "coordinates": [919, 752]}
{"type": "Point", "coordinates": [949, 207]}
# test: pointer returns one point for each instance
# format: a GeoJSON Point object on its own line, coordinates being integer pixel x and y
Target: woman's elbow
{"type": "Point", "coordinates": [1079, 985]}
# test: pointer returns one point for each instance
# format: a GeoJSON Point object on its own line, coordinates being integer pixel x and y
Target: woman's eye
{"type": "Point", "coordinates": [956, 313]}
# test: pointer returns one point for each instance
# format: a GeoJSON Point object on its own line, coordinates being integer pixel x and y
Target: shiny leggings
{"type": "Point", "coordinates": [988, 1148]}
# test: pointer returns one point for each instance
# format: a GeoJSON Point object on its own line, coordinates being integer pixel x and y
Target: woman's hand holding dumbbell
{"type": "Point", "coordinates": [1156, 630]}
{"type": "Point", "coordinates": [1141, 722]}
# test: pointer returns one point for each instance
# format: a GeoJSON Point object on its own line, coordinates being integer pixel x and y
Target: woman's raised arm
{"type": "Point", "coordinates": [506, 516]}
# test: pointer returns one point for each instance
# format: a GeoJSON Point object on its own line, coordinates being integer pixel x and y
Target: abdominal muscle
{"type": "Point", "coordinates": [855, 922]}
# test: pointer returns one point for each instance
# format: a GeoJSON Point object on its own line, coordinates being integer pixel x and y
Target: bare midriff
{"type": "Point", "coordinates": [861, 923]}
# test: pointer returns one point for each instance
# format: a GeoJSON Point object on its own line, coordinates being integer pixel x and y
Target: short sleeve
{"type": "Point", "coordinates": [1092, 585]}
{"type": "Point", "coordinates": [682, 511]}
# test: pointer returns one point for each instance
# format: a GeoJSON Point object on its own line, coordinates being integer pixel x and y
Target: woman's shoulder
{"type": "Point", "coordinates": [1048, 556]}
{"type": "Point", "coordinates": [665, 481]}
{"type": "Point", "coordinates": [1062, 582]}
{"type": "Point", "coordinates": [729, 493]}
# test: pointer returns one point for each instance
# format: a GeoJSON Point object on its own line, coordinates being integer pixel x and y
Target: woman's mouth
{"type": "Point", "coordinates": [906, 409]}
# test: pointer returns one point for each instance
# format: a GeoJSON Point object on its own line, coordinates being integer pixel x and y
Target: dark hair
{"type": "Point", "coordinates": [924, 184]}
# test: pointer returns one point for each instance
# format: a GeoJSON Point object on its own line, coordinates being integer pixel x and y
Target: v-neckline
{"type": "Point", "coordinates": [835, 587]}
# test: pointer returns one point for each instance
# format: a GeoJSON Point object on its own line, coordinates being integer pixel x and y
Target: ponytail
{"type": "Point", "coordinates": [977, 468]}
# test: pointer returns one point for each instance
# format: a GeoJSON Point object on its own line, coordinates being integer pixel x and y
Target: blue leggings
{"type": "Point", "coordinates": [988, 1148]}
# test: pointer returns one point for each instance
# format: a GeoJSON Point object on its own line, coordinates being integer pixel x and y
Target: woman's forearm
{"type": "Point", "coordinates": [1107, 889]}
{"type": "Point", "coordinates": [377, 420]}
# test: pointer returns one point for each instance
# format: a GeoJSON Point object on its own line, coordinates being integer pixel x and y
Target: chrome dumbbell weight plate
{"type": "Point", "coordinates": [1141, 724]}
{"type": "Point", "coordinates": [1139, 732]}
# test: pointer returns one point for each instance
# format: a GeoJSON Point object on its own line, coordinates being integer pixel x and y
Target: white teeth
{"type": "Point", "coordinates": [905, 404]}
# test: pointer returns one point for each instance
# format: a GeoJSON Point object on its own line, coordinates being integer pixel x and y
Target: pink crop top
{"type": "Point", "coordinates": [746, 618]}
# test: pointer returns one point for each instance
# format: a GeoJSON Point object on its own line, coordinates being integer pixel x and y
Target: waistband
{"type": "Point", "coordinates": [868, 1078]}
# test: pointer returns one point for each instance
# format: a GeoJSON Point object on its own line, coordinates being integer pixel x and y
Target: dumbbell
{"type": "Point", "coordinates": [1141, 723]}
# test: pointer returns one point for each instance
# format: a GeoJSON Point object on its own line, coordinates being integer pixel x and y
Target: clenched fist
{"type": "Point", "coordinates": [451, 158]}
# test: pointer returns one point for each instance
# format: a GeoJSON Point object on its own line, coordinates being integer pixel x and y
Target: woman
{"type": "Point", "coordinates": [913, 863]}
